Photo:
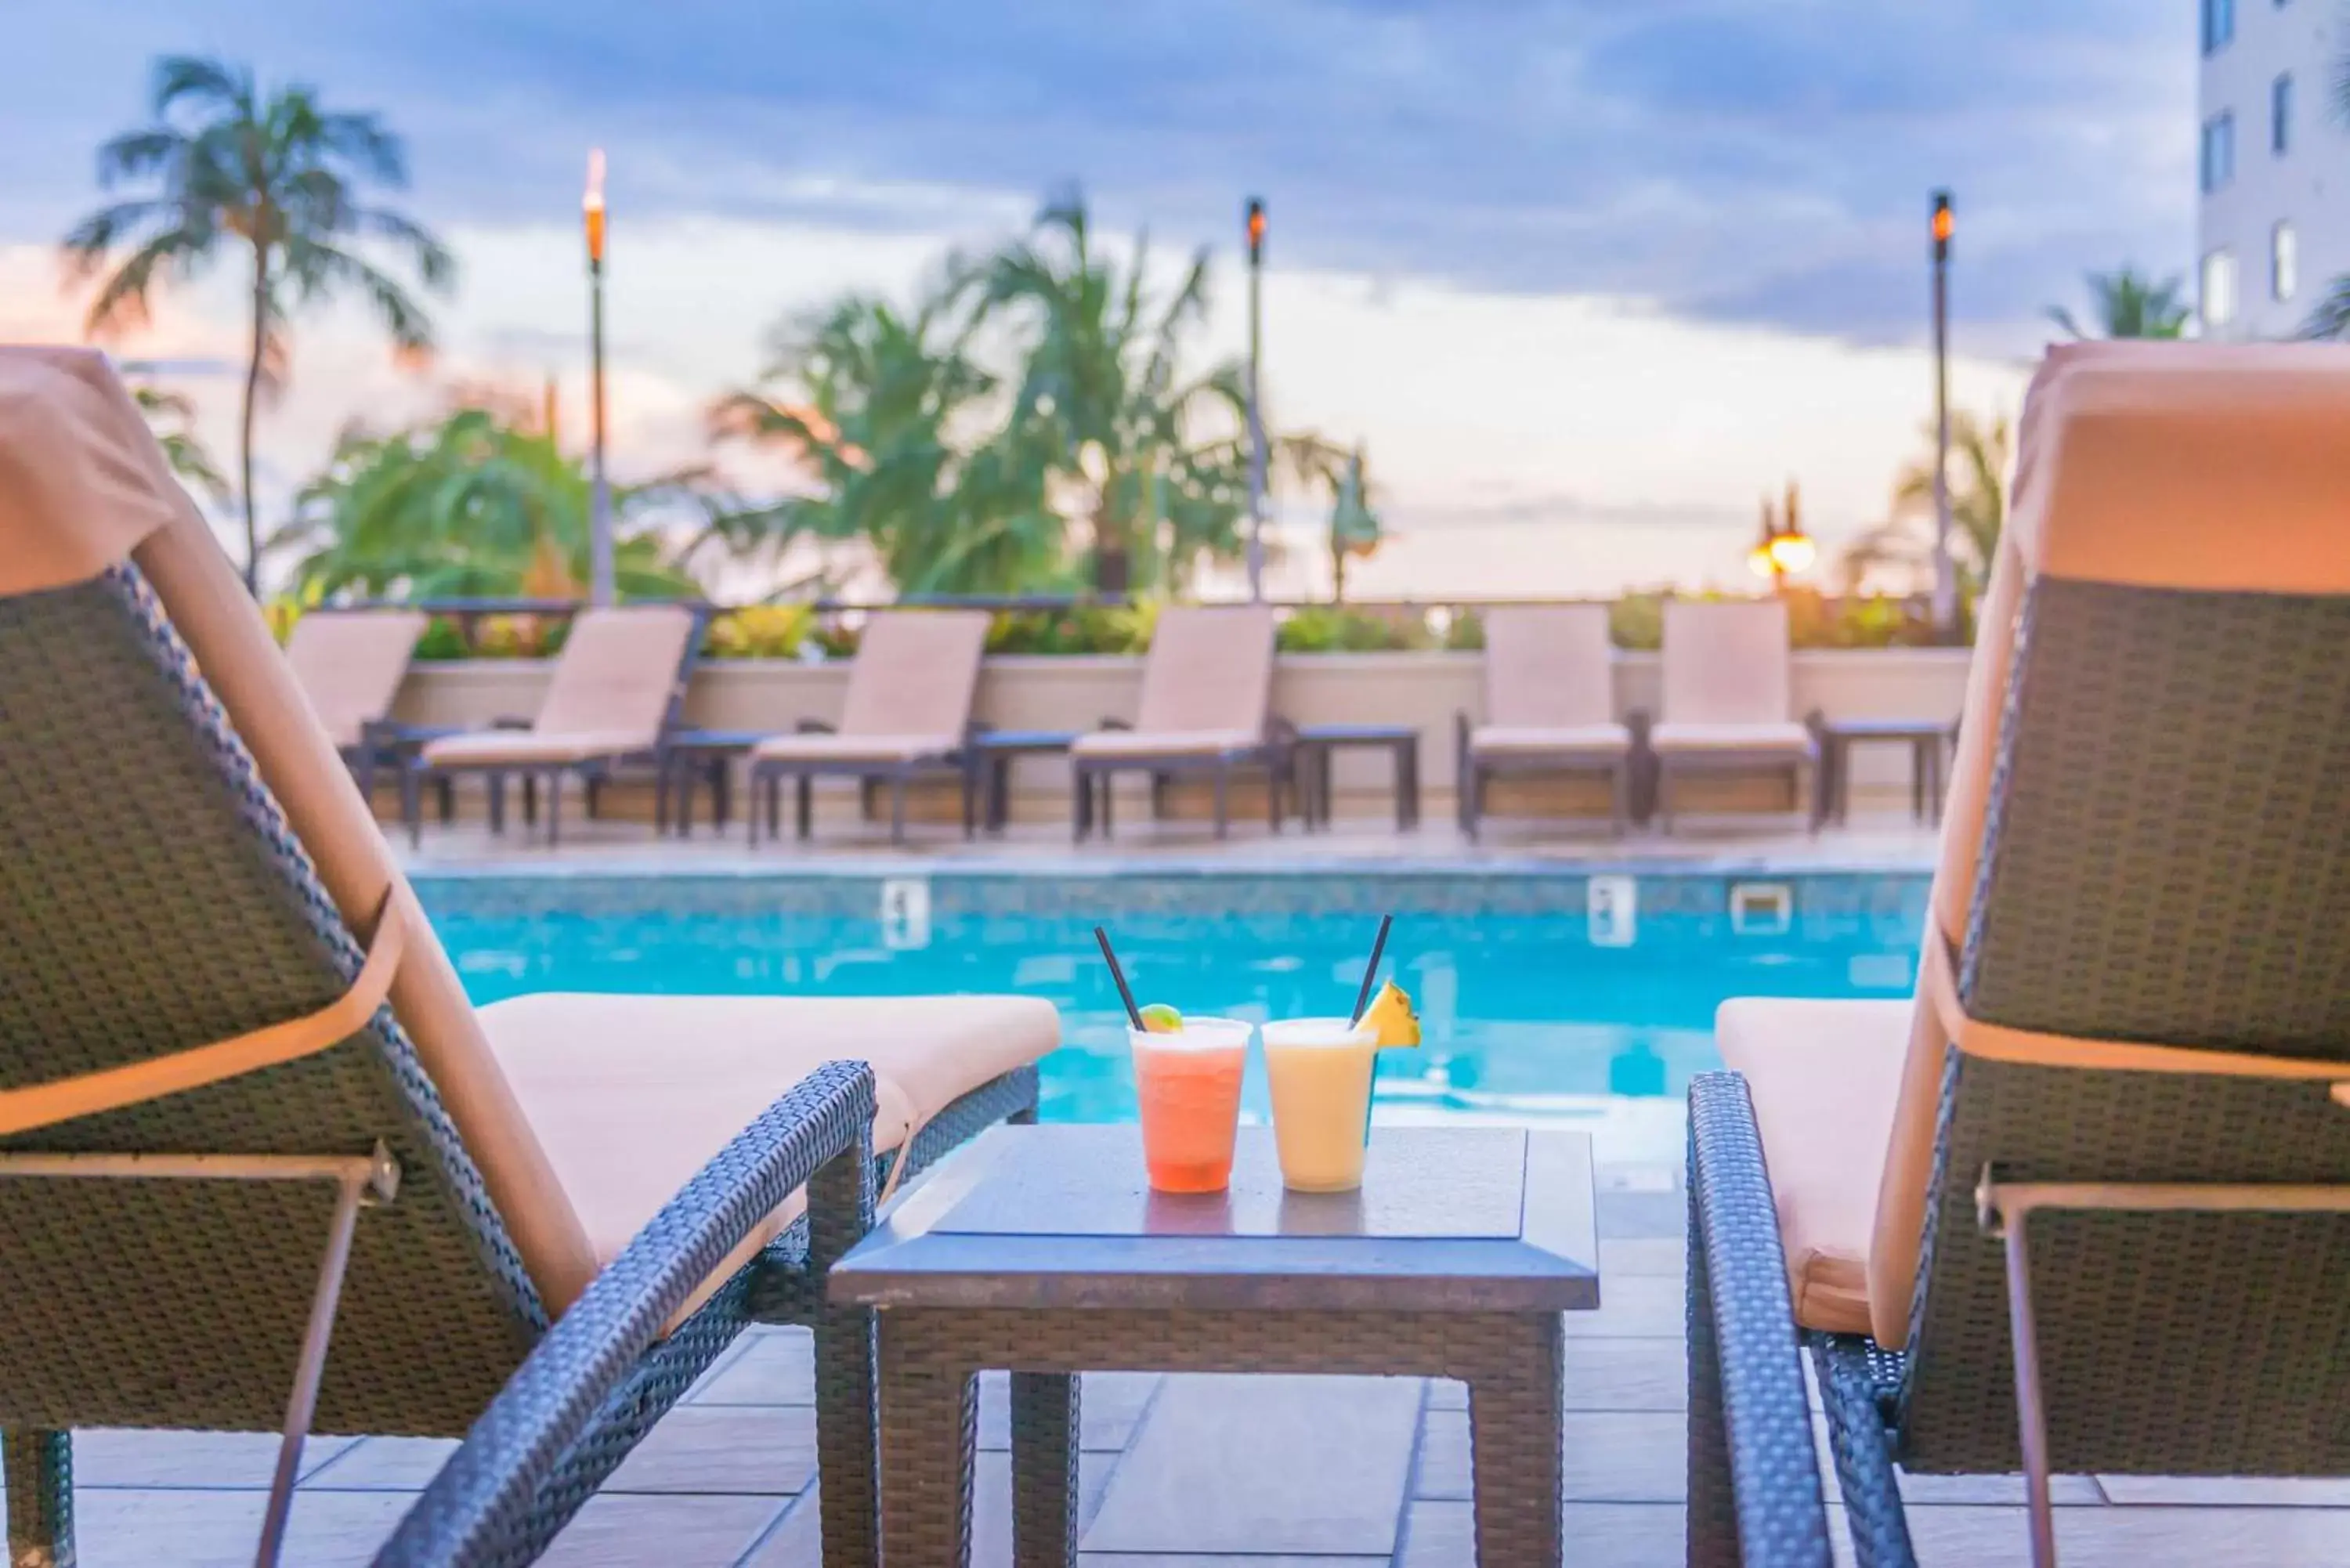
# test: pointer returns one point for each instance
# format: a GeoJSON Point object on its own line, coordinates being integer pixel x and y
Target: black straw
{"type": "Point", "coordinates": [1371, 970]}
{"type": "Point", "coordinates": [1125, 992]}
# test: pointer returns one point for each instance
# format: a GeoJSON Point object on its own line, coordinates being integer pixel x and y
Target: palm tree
{"type": "Point", "coordinates": [874, 399]}
{"type": "Point", "coordinates": [170, 416]}
{"type": "Point", "coordinates": [2129, 305]}
{"type": "Point", "coordinates": [279, 175]}
{"type": "Point", "coordinates": [1136, 450]}
{"type": "Point", "coordinates": [475, 507]}
{"type": "Point", "coordinates": [1983, 453]}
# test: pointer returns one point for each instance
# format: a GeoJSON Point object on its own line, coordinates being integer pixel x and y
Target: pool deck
{"type": "Point", "coordinates": [1873, 844]}
{"type": "Point", "coordinates": [1187, 1471]}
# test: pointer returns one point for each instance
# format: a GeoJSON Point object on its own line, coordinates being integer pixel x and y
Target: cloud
{"type": "Point", "coordinates": [1747, 160]}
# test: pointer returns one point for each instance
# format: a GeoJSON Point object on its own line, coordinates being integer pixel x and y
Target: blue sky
{"type": "Point", "coordinates": [1747, 165]}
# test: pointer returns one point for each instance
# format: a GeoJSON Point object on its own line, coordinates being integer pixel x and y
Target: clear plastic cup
{"type": "Point", "coordinates": [1188, 1083]}
{"type": "Point", "coordinates": [1321, 1071]}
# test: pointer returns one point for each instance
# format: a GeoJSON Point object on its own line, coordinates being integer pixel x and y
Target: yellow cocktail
{"type": "Point", "coordinates": [1321, 1071]}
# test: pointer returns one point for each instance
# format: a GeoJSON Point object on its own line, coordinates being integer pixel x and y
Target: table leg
{"type": "Point", "coordinates": [929, 1424]}
{"type": "Point", "coordinates": [1045, 1414]}
{"type": "Point", "coordinates": [999, 793]}
{"type": "Point", "coordinates": [1406, 785]}
{"type": "Point", "coordinates": [1516, 1421]}
{"type": "Point", "coordinates": [721, 790]}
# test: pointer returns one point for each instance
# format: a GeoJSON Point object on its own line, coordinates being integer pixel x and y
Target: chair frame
{"type": "Point", "coordinates": [1473, 772]}
{"type": "Point", "coordinates": [1093, 776]}
{"type": "Point", "coordinates": [959, 763]}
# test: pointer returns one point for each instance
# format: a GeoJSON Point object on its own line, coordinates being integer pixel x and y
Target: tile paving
{"type": "Point", "coordinates": [1183, 1472]}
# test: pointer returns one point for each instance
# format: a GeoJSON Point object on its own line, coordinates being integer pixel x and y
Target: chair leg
{"type": "Point", "coordinates": [1081, 805]}
{"type": "Point", "coordinates": [495, 784]}
{"type": "Point", "coordinates": [39, 1466]}
{"type": "Point", "coordinates": [1224, 800]}
{"type": "Point", "coordinates": [1273, 774]}
{"type": "Point", "coordinates": [1619, 794]}
{"type": "Point", "coordinates": [554, 809]}
{"type": "Point", "coordinates": [897, 809]}
{"type": "Point", "coordinates": [530, 800]}
{"type": "Point", "coordinates": [411, 805]}
{"type": "Point", "coordinates": [595, 788]}
{"type": "Point", "coordinates": [840, 1211]}
{"type": "Point", "coordinates": [448, 799]}
{"type": "Point", "coordinates": [1665, 801]}
{"type": "Point", "coordinates": [802, 807]}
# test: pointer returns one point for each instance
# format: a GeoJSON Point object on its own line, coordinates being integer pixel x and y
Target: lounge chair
{"type": "Point", "coordinates": [350, 664]}
{"type": "Point", "coordinates": [239, 1079]}
{"type": "Point", "coordinates": [619, 688]}
{"type": "Point", "coordinates": [1207, 708]}
{"type": "Point", "coordinates": [1550, 706]}
{"type": "Point", "coordinates": [907, 716]}
{"type": "Point", "coordinates": [2131, 1042]}
{"type": "Point", "coordinates": [1728, 707]}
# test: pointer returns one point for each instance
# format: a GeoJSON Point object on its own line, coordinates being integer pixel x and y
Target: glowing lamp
{"type": "Point", "coordinates": [591, 207]}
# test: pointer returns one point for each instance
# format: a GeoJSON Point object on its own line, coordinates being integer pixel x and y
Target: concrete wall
{"type": "Point", "coordinates": [1070, 693]}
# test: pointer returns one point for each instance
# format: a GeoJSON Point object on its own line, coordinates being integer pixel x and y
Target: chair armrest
{"type": "Point", "coordinates": [814, 726]}
{"type": "Point", "coordinates": [511, 722]}
{"type": "Point", "coordinates": [1116, 724]}
{"type": "Point", "coordinates": [481, 1500]}
{"type": "Point", "coordinates": [1742, 1330]}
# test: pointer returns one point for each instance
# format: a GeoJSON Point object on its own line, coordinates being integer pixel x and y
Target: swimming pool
{"type": "Point", "coordinates": [1584, 1001]}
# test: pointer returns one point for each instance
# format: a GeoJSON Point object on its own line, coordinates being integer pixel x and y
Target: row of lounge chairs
{"type": "Point", "coordinates": [1206, 709]}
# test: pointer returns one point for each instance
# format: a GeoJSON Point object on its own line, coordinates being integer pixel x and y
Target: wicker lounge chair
{"type": "Point", "coordinates": [1207, 708]}
{"type": "Point", "coordinates": [907, 716]}
{"type": "Point", "coordinates": [1728, 705]}
{"type": "Point", "coordinates": [239, 1079]}
{"type": "Point", "coordinates": [2131, 1044]}
{"type": "Point", "coordinates": [619, 688]}
{"type": "Point", "coordinates": [1550, 706]}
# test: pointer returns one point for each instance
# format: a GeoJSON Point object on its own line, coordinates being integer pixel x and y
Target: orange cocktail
{"type": "Point", "coordinates": [1188, 1082]}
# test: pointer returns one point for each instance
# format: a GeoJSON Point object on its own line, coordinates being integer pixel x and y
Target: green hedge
{"type": "Point", "coordinates": [1635, 622]}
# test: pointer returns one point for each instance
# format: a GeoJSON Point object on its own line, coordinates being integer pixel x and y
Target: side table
{"type": "Point", "coordinates": [1317, 744]}
{"type": "Point", "coordinates": [1041, 1251]}
{"type": "Point", "coordinates": [1928, 741]}
{"type": "Point", "coordinates": [993, 753]}
{"type": "Point", "coordinates": [690, 754]}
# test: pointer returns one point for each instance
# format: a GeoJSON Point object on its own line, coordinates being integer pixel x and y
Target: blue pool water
{"type": "Point", "coordinates": [1535, 1009]}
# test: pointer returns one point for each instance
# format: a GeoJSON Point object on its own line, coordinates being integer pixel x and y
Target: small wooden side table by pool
{"type": "Point", "coordinates": [1041, 1251]}
{"type": "Point", "coordinates": [1928, 741]}
{"type": "Point", "coordinates": [1317, 744]}
{"type": "Point", "coordinates": [993, 753]}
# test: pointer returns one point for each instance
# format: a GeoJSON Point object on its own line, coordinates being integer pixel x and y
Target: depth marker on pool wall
{"type": "Point", "coordinates": [905, 913]}
{"type": "Point", "coordinates": [1612, 907]}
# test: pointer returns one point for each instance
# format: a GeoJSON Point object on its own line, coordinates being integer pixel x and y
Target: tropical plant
{"type": "Point", "coordinates": [2129, 304]}
{"type": "Point", "coordinates": [1151, 462]}
{"type": "Point", "coordinates": [473, 507]}
{"type": "Point", "coordinates": [873, 400]}
{"type": "Point", "coordinates": [276, 174]}
{"type": "Point", "coordinates": [1983, 455]}
{"type": "Point", "coordinates": [2330, 318]}
{"type": "Point", "coordinates": [172, 417]}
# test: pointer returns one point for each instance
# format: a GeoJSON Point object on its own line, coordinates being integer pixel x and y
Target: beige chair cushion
{"type": "Point", "coordinates": [527, 748]}
{"type": "Point", "coordinates": [630, 1096]}
{"type": "Point", "coordinates": [1208, 670]}
{"type": "Point", "coordinates": [1789, 737]}
{"type": "Point", "coordinates": [915, 673]}
{"type": "Point", "coordinates": [1549, 667]}
{"type": "Point", "coordinates": [350, 664]}
{"type": "Point", "coordinates": [1726, 662]}
{"type": "Point", "coordinates": [1824, 1076]}
{"type": "Point", "coordinates": [618, 672]}
{"type": "Point", "coordinates": [1509, 739]}
{"type": "Point", "coordinates": [823, 748]}
{"type": "Point", "coordinates": [1111, 744]}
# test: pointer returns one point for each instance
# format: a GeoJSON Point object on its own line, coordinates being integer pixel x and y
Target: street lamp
{"type": "Point", "coordinates": [1783, 549]}
{"type": "Point", "coordinates": [1946, 576]}
{"type": "Point", "coordinates": [1255, 413]}
{"type": "Point", "coordinates": [599, 516]}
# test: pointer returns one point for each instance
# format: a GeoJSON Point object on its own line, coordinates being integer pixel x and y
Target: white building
{"type": "Point", "coordinates": [2274, 165]}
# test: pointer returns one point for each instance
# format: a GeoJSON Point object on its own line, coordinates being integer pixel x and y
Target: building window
{"type": "Point", "coordinates": [2220, 288]}
{"type": "Point", "coordinates": [2284, 263]}
{"type": "Point", "coordinates": [2280, 115]}
{"type": "Point", "coordinates": [2219, 152]}
{"type": "Point", "coordinates": [2219, 25]}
